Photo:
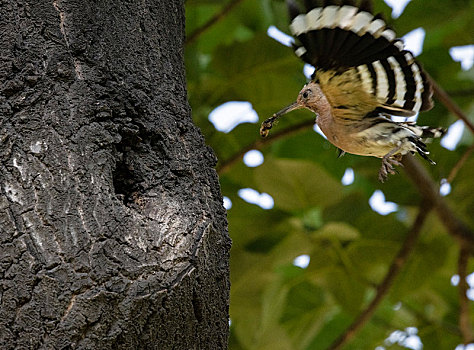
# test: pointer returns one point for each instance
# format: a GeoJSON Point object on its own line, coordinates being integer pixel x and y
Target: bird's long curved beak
{"type": "Point", "coordinates": [267, 124]}
{"type": "Point", "coordinates": [287, 109]}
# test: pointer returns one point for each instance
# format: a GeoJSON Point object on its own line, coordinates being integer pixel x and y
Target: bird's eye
{"type": "Point", "coordinates": [306, 94]}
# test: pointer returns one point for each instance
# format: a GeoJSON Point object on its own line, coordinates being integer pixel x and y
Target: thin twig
{"type": "Point", "coordinates": [216, 18]}
{"type": "Point", "coordinates": [430, 191]}
{"type": "Point", "coordinates": [459, 164]}
{"type": "Point", "coordinates": [225, 165]}
{"type": "Point", "coordinates": [420, 315]}
{"type": "Point", "coordinates": [464, 314]}
{"type": "Point", "coordinates": [461, 93]}
{"type": "Point", "coordinates": [450, 104]}
{"type": "Point", "coordinates": [382, 290]}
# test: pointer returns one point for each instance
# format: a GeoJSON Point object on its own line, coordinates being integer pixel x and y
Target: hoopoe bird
{"type": "Point", "coordinates": [362, 76]}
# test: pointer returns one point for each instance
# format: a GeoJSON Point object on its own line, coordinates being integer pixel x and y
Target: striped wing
{"type": "Point", "coordinates": [339, 36]}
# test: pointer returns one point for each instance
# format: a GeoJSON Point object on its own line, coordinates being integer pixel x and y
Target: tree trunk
{"type": "Point", "coordinates": [112, 230]}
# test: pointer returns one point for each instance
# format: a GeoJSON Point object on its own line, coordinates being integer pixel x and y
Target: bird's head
{"type": "Point", "coordinates": [309, 97]}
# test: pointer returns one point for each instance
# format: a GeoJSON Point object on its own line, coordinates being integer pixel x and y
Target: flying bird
{"type": "Point", "coordinates": [363, 76]}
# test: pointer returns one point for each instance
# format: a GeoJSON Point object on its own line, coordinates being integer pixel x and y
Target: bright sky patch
{"type": "Point", "coordinates": [302, 261]}
{"type": "Point", "coordinates": [463, 54]}
{"type": "Point", "coordinates": [253, 158]}
{"type": "Point", "coordinates": [453, 136]}
{"type": "Point", "coordinates": [348, 177]}
{"type": "Point", "coordinates": [377, 203]}
{"type": "Point", "coordinates": [278, 35]}
{"type": "Point", "coordinates": [414, 41]}
{"type": "Point", "coordinates": [227, 202]}
{"type": "Point", "coordinates": [230, 114]}
{"type": "Point", "coordinates": [397, 6]}
{"type": "Point", "coordinates": [263, 200]}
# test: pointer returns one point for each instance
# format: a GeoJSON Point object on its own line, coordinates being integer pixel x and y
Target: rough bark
{"type": "Point", "coordinates": [112, 231]}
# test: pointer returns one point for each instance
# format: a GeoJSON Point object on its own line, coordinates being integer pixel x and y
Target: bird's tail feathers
{"type": "Point", "coordinates": [425, 132]}
{"type": "Point", "coordinates": [421, 149]}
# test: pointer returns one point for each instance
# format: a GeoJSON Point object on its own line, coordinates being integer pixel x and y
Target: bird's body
{"type": "Point", "coordinates": [363, 75]}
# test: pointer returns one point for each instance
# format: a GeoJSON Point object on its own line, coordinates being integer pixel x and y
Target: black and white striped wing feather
{"type": "Point", "coordinates": [338, 36]}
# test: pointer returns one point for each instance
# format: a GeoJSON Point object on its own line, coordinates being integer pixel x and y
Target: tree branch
{"type": "Point", "coordinates": [464, 319]}
{"type": "Point", "coordinates": [216, 18]}
{"type": "Point", "coordinates": [459, 164]}
{"type": "Point", "coordinates": [384, 287]}
{"type": "Point", "coordinates": [450, 104]}
{"type": "Point", "coordinates": [225, 165]}
{"type": "Point", "coordinates": [430, 191]}
{"type": "Point", "coordinates": [461, 93]}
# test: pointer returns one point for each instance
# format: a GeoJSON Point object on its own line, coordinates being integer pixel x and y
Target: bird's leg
{"type": "Point", "coordinates": [388, 162]}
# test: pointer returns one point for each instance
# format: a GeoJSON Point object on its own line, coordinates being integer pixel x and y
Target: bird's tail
{"type": "Point", "coordinates": [432, 133]}
{"type": "Point", "coordinates": [425, 132]}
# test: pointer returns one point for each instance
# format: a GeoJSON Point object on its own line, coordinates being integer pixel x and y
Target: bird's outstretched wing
{"type": "Point", "coordinates": [360, 64]}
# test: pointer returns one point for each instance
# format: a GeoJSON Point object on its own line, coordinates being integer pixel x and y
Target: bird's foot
{"type": "Point", "coordinates": [388, 166]}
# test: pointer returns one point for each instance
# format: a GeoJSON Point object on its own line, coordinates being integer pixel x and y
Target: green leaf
{"type": "Point", "coordinates": [438, 338]}
{"type": "Point", "coordinates": [346, 289]}
{"type": "Point", "coordinates": [337, 230]}
{"type": "Point", "coordinates": [252, 223]}
{"type": "Point", "coordinates": [311, 146]}
{"type": "Point", "coordinates": [335, 326]}
{"type": "Point", "coordinates": [296, 185]}
{"type": "Point", "coordinates": [305, 313]}
{"type": "Point", "coordinates": [312, 218]}
{"type": "Point", "coordinates": [371, 257]}
{"type": "Point", "coordinates": [462, 197]}
{"type": "Point", "coordinates": [256, 76]}
{"type": "Point", "coordinates": [429, 257]}
{"type": "Point", "coordinates": [274, 299]}
{"type": "Point", "coordinates": [449, 22]}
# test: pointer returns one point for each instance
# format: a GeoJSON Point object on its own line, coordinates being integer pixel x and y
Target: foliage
{"type": "Point", "coordinates": [274, 304]}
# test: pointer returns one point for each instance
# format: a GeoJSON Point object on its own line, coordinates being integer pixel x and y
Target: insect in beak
{"type": "Point", "coordinates": [268, 123]}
